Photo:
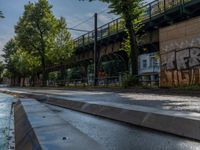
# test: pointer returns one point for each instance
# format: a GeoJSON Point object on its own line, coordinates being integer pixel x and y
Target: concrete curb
{"type": "Point", "coordinates": [39, 128]}
{"type": "Point", "coordinates": [184, 124]}
{"type": "Point", "coordinates": [25, 137]}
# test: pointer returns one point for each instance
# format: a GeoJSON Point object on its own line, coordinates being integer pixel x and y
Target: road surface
{"type": "Point", "coordinates": [169, 102]}
{"type": "Point", "coordinates": [114, 135]}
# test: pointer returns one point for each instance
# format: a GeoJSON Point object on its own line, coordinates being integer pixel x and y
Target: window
{"type": "Point", "coordinates": [153, 62]}
{"type": "Point", "coordinates": [144, 63]}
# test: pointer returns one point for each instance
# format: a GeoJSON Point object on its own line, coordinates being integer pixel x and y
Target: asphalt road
{"type": "Point", "coordinates": [114, 135]}
{"type": "Point", "coordinates": [169, 102]}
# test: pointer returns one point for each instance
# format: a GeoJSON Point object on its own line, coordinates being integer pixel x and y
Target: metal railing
{"type": "Point", "coordinates": [152, 9]}
{"type": "Point", "coordinates": [113, 80]}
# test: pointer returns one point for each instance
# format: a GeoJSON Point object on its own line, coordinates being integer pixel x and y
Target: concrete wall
{"type": "Point", "coordinates": [180, 53]}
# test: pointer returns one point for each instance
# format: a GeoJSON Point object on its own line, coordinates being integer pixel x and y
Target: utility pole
{"type": "Point", "coordinates": [95, 51]}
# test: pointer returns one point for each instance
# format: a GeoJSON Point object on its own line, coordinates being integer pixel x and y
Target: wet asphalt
{"type": "Point", "coordinates": [114, 135]}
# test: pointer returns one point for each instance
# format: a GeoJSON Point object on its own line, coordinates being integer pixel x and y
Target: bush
{"type": "Point", "coordinates": [191, 87]}
{"type": "Point", "coordinates": [129, 80]}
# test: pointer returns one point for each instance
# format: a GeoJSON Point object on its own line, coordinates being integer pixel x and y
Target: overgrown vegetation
{"type": "Point", "coordinates": [129, 80]}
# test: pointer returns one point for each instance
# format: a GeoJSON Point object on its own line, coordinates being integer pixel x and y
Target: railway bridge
{"type": "Point", "coordinates": [174, 23]}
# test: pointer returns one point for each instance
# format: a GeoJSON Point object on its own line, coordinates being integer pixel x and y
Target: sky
{"type": "Point", "coordinates": [74, 11]}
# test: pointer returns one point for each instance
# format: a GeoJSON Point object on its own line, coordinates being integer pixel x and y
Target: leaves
{"type": "Point", "coordinates": [63, 44]}
{"type": "Point", "coordinates": [24, 62]}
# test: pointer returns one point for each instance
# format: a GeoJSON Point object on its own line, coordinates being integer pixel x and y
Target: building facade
{"type": "Point", "coordinates": [180, 53]}
{"type": "Point", "coordinates": [149, 68]}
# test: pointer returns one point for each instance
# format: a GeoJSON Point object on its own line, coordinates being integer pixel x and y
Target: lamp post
{"type": "Point", "coordinates": [95, 50]}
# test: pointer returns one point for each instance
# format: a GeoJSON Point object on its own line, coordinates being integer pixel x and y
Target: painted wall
{"type": "Point", "coordinates": [148, 63]}
{"type": "Point", "coordinates": [180, 53]}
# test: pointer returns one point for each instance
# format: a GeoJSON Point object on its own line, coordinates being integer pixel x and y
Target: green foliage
{"type": "Point", "coordinates": [7, 74]}
{"type": "Point", "coordinates": [36, 27]}
{"type": "Point", "coordinates": [41, 38]}
{"type": "Point", "coordinates": [25, 63]}
{"type": "Point", "coordinates": [2, 67]}
{"type": "Point", "coordinates": [129, 80]}
{"type": "Point", "coordinates": [18, 61]}
{"type": "Point", "coordinates": [53, 75]}
{"type": "Point", "coordinates": [36, 31]}
{"type": "Point", "coordinates": [190, 87]}
{"type": "Point", "coordinates": [62, 49]}
{"type": "Point", "coordinates": [9, 49]}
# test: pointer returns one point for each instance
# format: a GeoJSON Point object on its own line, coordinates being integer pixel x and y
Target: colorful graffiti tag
{"type": "Point", "coordinates": [181, 67]}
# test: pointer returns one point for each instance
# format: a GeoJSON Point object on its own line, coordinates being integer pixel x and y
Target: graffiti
{"type": "Point", "coordinates": [182, 59]}
{"type": "Point", "coordinates": [181, 67]}
{"type": "Point", "coordinates": [178, 45]}
{"type": "Point", "coordinates": [180, 53]}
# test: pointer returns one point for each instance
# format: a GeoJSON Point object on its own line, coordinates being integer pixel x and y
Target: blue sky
{"type": "Point", "coordinates": [74, 11]}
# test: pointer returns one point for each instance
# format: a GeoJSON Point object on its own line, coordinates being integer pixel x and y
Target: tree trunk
{"type": "Point", "coordinates": [86, 73]}
{"type": "Point", "coordinates": [33, 80]}
{"type": "Point", "coordinates": [19, 81]}
{"type": "Point", "coordinates": [23, 82]}
{"type": "Point", "coordinates": [134, 48]}
{"type": "Point", "coordinates": [44, 73]}
{"type": "Point", "coordinates": [62, 74]}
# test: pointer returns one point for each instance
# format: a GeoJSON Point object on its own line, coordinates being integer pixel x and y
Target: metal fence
{"type": "Point", "coordinates": [114, 80]}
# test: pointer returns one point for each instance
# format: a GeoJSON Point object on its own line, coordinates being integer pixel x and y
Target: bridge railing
{"type": "Point", "coordinates": [150, 10]}
{"type": "Point", "coordinates": [106, 30]}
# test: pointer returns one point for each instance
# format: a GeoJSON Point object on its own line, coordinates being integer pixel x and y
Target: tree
{"type": "Point", "coordinates": [130, 11]}
{"type": "Point", "coordinates": [19, 63]}
{"type": "Point", "coordinates": [2, 67]}
{"type": "Point", "coordinates": [9, 49]}
{"type": "Point", "coordinates": [35, 31]}
{"type": "Point", "coordinates": [25, 64]}
{"type": "Point", "coordinates": [62, 50]}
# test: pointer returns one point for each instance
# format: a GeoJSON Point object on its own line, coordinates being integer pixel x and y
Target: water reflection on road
{"type": "Point", "coordinates": [5, 118]}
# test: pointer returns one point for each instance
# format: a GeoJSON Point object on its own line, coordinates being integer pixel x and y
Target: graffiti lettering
{"type": "Point", "coordinates": [181, 60]}
{"type": "Point", "coordinates": [194, 57]}
{"type": "Point", "coordinates": [180, 44]}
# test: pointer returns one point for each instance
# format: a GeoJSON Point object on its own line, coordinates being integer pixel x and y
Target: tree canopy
{"type": "Point", "coordinates": [36, 30]}
{"type": "Point", "coordinates": [40, 39]}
